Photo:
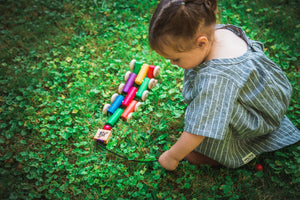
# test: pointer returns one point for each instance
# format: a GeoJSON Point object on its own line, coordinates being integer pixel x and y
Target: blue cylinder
{"type": "Point", "coordinates": [116, 104]}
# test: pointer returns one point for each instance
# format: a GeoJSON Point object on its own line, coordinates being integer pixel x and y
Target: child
{"type": "Point", "coordinates": [236, 96]}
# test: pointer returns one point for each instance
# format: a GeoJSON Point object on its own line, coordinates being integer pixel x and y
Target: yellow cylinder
{"type": "Point", "coordinates": [142, 74]}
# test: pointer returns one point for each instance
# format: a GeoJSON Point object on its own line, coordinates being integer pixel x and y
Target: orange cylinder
{"type": "Point", "coordinates": [142, 74]}
{"type": "Point", "coordinates": [129, 109]}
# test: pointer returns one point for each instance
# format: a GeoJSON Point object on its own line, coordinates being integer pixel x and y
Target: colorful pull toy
{"type": "Point", "coordinates": [138, 81]}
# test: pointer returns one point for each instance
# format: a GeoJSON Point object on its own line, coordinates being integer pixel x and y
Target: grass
{"type": "Point", "coordinates": [61, 62]}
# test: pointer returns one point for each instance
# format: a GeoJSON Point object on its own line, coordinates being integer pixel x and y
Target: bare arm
{"type": "Point", "coordinates": [185, 144]}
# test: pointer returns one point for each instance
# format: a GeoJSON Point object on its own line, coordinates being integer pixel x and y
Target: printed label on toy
{"type": "Point", "coordinates": [248, 158]}
{"type": "Point", "coordinates": [102, 135]}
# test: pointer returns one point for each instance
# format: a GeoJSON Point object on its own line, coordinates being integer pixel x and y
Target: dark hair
{"type": "Point", "coordinates": [180, 19]}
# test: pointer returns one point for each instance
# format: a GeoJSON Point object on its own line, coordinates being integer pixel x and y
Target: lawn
{"type": "Point", "coordinates": [61, 62]}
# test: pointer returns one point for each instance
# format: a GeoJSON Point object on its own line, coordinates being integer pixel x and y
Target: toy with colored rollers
{"type": "Point", "coordinates": [138, 81]}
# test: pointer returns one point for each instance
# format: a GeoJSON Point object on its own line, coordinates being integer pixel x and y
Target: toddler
{"type": "Point", "coordinates": [236, 96]}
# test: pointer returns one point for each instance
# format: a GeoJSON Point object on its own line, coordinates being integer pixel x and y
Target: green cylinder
{"type": "Point", "coordinates": [143, 87]}
{"type": "Point", "coordinates": [137, 67]}
{"type": "Point", "coordinates": [114, 118]}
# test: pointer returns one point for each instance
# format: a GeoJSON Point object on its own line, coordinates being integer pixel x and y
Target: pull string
{"type": "Point", "coordinates": [123, 157]}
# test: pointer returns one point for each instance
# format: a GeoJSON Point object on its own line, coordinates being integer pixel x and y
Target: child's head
{"type": "Point", "coordinates": [178, 24]}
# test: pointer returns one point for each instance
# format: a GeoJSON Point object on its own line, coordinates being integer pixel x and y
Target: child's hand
{"type": "Point", "coordinates": [167, 161]}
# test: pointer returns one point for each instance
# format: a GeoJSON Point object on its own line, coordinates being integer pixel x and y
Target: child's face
{"type": "Point", "coordinates": [187, 59]}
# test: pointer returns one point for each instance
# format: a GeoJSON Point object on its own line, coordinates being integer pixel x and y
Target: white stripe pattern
{"type": "Point", "coordinates": [239, 105]}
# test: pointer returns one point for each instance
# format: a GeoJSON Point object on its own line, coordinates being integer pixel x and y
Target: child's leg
{"type": "Point", "coordinates": [196, 158]}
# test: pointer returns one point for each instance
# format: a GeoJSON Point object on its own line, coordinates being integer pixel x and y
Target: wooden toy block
{"type": "Point", "coordinates": [138, 80]}
{"type": "Point", "coordinates": [102, 135]}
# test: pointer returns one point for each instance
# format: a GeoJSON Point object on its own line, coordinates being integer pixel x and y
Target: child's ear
{"type": "Point", "coordinates": [202, 41]}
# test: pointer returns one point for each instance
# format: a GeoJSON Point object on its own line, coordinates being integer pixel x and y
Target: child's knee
{"type": "Point", "coordinates": [196, 158]}
{"type": "Point", "coordinates": [189, 157]}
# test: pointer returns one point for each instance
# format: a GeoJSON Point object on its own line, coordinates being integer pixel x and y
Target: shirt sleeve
{"type": "Point", "coordinates": [209, 113]}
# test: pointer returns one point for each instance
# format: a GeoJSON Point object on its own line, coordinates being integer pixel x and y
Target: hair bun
{"type": "Point", "coordinates": [209, 4]}
{"type": "Point", "coordinates": [188, 1]}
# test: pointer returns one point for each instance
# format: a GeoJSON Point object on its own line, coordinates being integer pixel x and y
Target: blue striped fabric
{"type": "Point", "coordinates": [239, 105]}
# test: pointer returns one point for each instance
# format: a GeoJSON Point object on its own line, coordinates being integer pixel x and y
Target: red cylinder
{"type": "Point", "coordinates": [128, 110]}
{"type": "Point", "coordinates": [106, 127]}
{"type": "Point", "coordinates": [130, 96]}
{"type": "Point", "coordinates": [150, 71]}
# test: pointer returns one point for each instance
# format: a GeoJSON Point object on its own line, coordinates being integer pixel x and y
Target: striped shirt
{"type": "Point", "coordinates": [239, 105]}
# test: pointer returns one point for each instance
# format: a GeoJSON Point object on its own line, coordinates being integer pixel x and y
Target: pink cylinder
{"type": "Point", "coordinates": [130, 96]}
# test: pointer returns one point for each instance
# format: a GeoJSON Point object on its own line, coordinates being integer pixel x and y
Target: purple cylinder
{"type": "Point", "coordinates": [129, 82]}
